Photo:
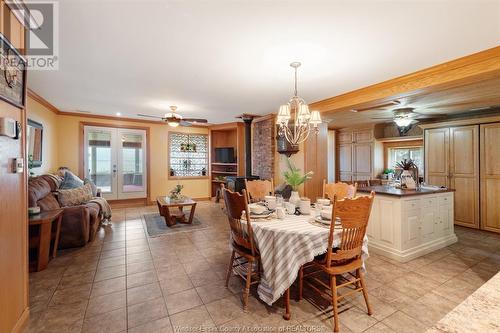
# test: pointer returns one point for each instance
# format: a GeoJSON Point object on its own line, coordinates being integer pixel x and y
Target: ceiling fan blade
{"type": "Point", "coordinates": [381, 106]}
{"type": "Point", "coordinates": [146, 115]}
{"type": "Point", "coordinates": [185, 123]}
{"type": "Point", "coordinates": [195, 120]}
{"type": "Point", "coordinates": [382, 118]}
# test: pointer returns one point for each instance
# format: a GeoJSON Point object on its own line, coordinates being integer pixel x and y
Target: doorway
{"type": "Point", "coordinates": [115, 160]}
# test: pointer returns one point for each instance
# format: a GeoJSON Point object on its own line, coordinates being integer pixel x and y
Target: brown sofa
{"type": "Point", "coordinates": [79, 224]}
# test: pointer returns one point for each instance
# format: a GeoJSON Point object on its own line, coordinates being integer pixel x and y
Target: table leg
{"type": "Point", "coordinates": [58, 233]}
{"type": "Point", "coordinates": [44, 246]}
{"type": "Point", "coordinates": [191, 215]}
{"type": "Point", "coordinates": [286, 297]}
{"type": "Point", "coordinates": [169, 220]}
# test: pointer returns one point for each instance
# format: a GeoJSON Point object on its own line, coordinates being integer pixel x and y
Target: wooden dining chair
{"type": "Point", "coordinates": [244, 256]}
{"type": "Point", "coordinates": [344, 258]}
{"type": "Point", "coordinates": [341, 190]}
{"type": "Point", "coordinates": [258, 189]}
{"type": "Point", "coordinates": [362, 183]}
{"type": "Point", "coordinates": [375, 182]}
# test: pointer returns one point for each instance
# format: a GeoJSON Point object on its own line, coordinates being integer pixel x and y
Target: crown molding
{"type": "Point", "coordinates": [58, 112]}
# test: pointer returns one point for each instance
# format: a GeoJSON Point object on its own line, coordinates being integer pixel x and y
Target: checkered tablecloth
{"type": "Point", "coordinates": [284, 246]}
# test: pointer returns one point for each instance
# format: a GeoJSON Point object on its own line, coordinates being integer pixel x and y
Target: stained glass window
{"type": "Point", "coordinates": [188, 155]}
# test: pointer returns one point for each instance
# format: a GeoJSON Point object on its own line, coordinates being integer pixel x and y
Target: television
{"type": "Point", "coordinates": [224, 155]}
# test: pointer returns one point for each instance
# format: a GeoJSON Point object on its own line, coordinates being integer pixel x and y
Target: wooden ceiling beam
{"type": "Point", "coordinates": [484, 65]}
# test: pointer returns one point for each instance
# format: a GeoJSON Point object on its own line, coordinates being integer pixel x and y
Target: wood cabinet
{"type": "Point", "coordinates": [452, 160]}
{"type": "Point", "coordinates": [466, 159]}
{"type": "Point", "coordinates": [490, 177]}
{"type": "Point", "coordinates": [437, 156]}
{"type": "Point", "coordinates": [355, 154]}
{"type": "Point", "coordinates": [464, 174]}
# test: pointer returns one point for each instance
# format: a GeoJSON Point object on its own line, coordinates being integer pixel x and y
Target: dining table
{"type": "Point", "coordinates": [284, 246]}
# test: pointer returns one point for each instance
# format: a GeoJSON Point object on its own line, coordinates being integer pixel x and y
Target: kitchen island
{"type": "Point", "coordinates": [406, 224]}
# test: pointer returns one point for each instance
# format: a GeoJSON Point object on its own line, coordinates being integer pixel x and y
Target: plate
{"type": "Point", "coordinates": [327, 222]}
{"type": "Point", "coordinates": [264, 215]}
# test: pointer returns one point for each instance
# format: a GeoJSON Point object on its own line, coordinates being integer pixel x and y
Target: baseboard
{"type": "Point", "coordinates": [21, 323]}
{"type": "Point", "coordinates": [415, 252]}
{"type": "Point", "coordinates": [121, 203]}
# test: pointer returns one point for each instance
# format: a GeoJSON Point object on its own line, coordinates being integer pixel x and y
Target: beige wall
{"type": "Point", "coordinates": [62, 135]}
{"type": "Point", "coordinates": [48, 119]}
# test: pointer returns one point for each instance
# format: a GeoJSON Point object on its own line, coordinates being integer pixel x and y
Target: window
{"type": "Point", "coordinates": [414, 153]}
{"type": "Point", "coordinates": [188, 155]}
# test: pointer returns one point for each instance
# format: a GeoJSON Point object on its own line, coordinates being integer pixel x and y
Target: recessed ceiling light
{"type": "Point", "coordinates": [118, 114]}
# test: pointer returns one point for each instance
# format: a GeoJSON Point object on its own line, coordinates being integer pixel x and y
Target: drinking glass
{"type": "Point", "coordinates": [279, 200]}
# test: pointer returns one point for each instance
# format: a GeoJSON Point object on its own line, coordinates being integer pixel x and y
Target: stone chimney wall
{"type": "Point", "coordinates": [263, 147]}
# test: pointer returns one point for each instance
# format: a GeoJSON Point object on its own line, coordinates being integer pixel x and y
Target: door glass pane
{"type": "Point", "coordinates": [132, 164]}
{"type": "Point", "coordinates": [99, 159]}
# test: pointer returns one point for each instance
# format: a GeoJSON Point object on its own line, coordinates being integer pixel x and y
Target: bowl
{"type": "Point", "coordinates": [323, 202]}
{"type": "Point", "coordinates": [33, 210]}
{"type": "Point", "coordinates": [256, 209]}
{"type": "Point", "coordinates": [326, 214]}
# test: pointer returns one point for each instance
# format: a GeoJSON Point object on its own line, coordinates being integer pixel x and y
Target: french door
{"type": "Point", "coordinates": [115, 160]}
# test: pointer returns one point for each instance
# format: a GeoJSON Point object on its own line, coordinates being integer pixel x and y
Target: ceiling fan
{"type": "Point", "coordinates": [405, 116]}
{"type": "Point", "coordinates": [173, 119]}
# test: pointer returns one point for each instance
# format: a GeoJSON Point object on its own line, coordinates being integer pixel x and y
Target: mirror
{"type": "Point", "coordinates": [34, 137]}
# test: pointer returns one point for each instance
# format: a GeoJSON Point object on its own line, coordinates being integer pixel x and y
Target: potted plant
{"type": "Point", "coordinates": [386, 174]}
{"type": "Point", "coordinates": [294, 178]}
{"type": "Point", "coordinates": [406, 176]}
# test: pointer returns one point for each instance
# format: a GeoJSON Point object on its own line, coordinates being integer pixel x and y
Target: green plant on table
{"type": "Point", "coordinates": [294, 177]}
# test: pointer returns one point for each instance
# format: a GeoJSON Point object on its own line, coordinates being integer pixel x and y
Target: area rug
{"type": "Point", "coordinates": [156, 226]}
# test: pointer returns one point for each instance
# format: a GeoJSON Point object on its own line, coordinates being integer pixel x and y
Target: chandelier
{"type": "Point", "coordinates": [304, 121]}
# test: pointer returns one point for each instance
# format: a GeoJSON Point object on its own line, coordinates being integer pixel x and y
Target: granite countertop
{"type": "Point", "coordinates": [480, 312]}
{"type": "Point", "coordinates": [389, 190]}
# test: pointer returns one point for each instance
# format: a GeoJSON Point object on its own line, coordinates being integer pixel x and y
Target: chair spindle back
{"type": "Point", "coordinates": [258, 189]}
{"type": "Point", "coordinates": [235, 205]}
{"type": "Point", "coordinates": [354, 215]}
{"type": "Point", "coordinates": [339, 190]}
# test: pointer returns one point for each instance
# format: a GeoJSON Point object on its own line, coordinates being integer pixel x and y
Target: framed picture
{"type": "Point", "coordinates": [12, 74]}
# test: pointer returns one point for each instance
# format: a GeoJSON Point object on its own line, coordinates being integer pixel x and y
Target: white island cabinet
{"type": "Point", "coordinates": [406, 224]}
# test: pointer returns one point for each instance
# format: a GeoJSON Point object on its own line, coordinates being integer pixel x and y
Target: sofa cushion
{"type": "Point", "coordinates": [70, 181]}
{"type": "Point", "coordinates": [38, 188]}
{"type": "Point", "coordinates": [49, 202]}
{"type": "Point", "coordinates": [76, 196]}
{"type": "Point", "coordinates": [94, 188]}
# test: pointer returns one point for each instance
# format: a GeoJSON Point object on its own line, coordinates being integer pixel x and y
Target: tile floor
{"type": "Point", "coordinates": [125, 281]}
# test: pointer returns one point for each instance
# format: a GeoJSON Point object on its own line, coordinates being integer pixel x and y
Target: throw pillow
{"type": "Point", "coordinates": [75, 197]}
{"type": "Point", "coordinates": [94, 188]}
{"type": "Point", "coordinates": [70, 181]}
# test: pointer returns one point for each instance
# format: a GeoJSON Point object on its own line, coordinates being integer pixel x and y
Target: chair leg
{"type": "Point", "coordinates": [365, 293]}
{"type": "Point", "coordinates": [333, 286]}
{"type": "Point", "coordinates": [229, 269]}
{"type": "Point", "coordinates": [301, 281]}
{"type": "Point", "coordinates": [247, 285]}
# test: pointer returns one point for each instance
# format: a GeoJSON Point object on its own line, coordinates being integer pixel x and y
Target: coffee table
{"type": "Point", "coordinates": [166, 206]}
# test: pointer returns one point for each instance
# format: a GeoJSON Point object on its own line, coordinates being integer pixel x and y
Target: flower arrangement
{"type": "Point", "coordinates": [175, 193]}
{"type": "Point", "coordinates": [293, 176]}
